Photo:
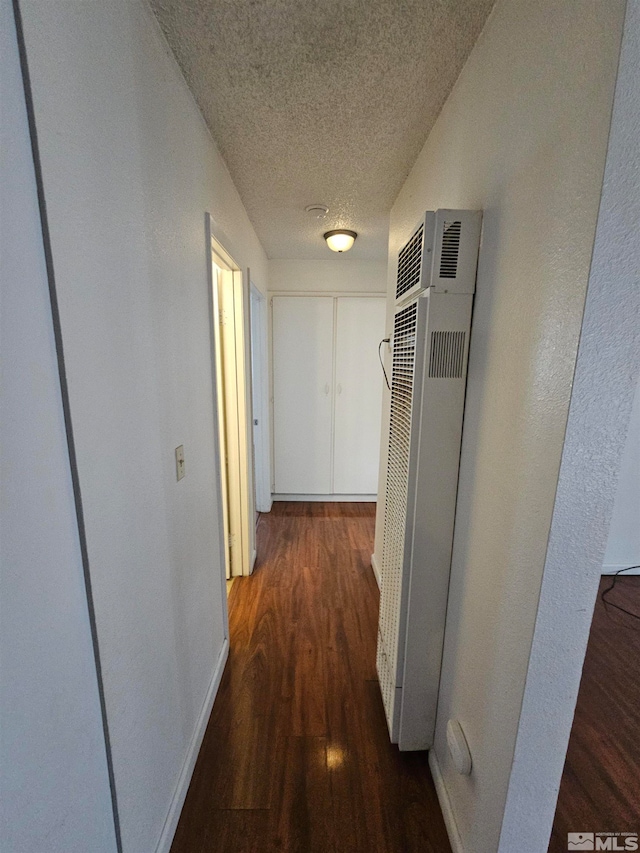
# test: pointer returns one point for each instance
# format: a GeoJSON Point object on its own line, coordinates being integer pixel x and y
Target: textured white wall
{"type": "Point", "coordinates": [606, 375]}
{"type": "Point", "coordinates": [339, 273]}
{"type": "Point", "coordinates": [129, 171]}
{"type": "Point", "coordinates": [54, 787]}
{"type": "Point", "coordinates": [523, 137]}
{"type": "Point", "coordinates": [623, 544]}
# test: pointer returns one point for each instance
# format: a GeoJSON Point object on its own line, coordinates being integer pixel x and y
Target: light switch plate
{"type": "Point", "coordinates": [180, 462]}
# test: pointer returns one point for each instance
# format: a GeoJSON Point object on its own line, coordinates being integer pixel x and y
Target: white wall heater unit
{"type": "Point", "coordinates": [434, 299]}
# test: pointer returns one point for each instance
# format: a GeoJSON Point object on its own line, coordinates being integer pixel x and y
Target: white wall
{"type": "Point", "coordinates": [54, 787]}
{"type": "Point", "coordinates": [606, 375]}
{"type": "Point", "coordinates": [523, 137]}
{"type": "Point", "coordinates": [129, 171]}
{"type": "Point", "coordinates": [335, 274]}
{"type": "Point", "coordinates": [623, 544]}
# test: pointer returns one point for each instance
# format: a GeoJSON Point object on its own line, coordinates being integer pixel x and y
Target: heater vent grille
{"type": "Point", "coordinates": [410, 263]}
{"type": "Point", "coordinates": [450, 249]}
{"type": "Point", "coordinates": [402, 378]}
{"type": "Point", "coordinates": [446, 355]}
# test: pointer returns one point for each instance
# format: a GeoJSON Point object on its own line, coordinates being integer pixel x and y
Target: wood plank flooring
{"type": "Point", "coordinates": [296, 757]}
{"type": "Point", "coordinates": [600, 790]}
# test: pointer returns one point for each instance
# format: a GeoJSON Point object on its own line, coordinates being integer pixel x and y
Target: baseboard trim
{"type": "Point", "coordinates": [445, 804]}
{"type": "Point", "coordinates": [376, 570]}
{"type": "Point", "coordinates": [328, 498]}
{"type": "Point", "coordinates": [611, 569]}
{"type": "Point", "coordinates": [253, 561]}
{"type": "Point", "coordinates": [171, 822]}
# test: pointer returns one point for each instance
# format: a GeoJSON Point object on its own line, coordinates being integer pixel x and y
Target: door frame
{"type": "Point", "coordinates": [241, 467]}
{"type": "Point", "coordinates": [260, 398]}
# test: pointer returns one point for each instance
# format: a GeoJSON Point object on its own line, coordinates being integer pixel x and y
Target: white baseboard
{"type": "Point", "coordinates": [171, 822]}
{"type": "Point", "coordinates": [328, 498]}
{"type": "Point", "coordinates": [253, 560]}
{"type": "Point", "coordinates": [611, 569]}
{"type": "Point", "coordinates": [376, 570]}
{"type": "Point", "coordinates": [445, 804]}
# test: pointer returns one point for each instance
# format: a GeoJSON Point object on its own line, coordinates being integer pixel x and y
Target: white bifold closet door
{"type": "Point", "coordinates": [358, 394]}
{"type": "Point", "coordinates": [302, 393]}
{"type": "Point", "coordinates": [327, 394]}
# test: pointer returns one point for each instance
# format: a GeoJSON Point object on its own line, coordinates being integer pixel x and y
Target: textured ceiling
{"type": "Point", "coordinates": [320, 101]}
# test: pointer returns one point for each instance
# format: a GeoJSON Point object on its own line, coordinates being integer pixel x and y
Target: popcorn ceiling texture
{"type": "Point", "coordinates": [327, 102]}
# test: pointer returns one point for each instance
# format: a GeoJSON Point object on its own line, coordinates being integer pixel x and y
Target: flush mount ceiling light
{"type": "Point", "coordinates": [340, 240]}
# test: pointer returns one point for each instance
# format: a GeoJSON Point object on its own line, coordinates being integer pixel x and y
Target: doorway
{"type": "Point", "coordinates": [229, 345]}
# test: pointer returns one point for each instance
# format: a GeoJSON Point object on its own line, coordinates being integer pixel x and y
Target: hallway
{"type": "Point", "coordinates": [296, 756]}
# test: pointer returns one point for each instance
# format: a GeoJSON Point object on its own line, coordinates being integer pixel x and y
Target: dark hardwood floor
{"type": "Point", "coordinates": [296, 757]}
{"type": "Point", "coordinates": [600, 790]}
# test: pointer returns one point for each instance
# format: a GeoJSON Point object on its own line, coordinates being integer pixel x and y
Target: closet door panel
{"type": "Point", "coordinates": [302, 393]}
{"type": "Point", "coordinates": [358, 399]}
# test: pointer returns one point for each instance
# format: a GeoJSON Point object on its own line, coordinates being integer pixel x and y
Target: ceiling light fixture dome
{"type": "Point", "coordinates": [340, 239]}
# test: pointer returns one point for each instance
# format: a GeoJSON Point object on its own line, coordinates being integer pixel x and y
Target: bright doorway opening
{"type": "Point", "coordinates": [233, 395]}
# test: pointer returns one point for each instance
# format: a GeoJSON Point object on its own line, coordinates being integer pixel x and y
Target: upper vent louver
{"type": "Point", "coordinates": [450, 249]}
{"type": "Point", "coordinates": [410, 263]}
{"type": "Point", "coordinates": [442, 253]}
